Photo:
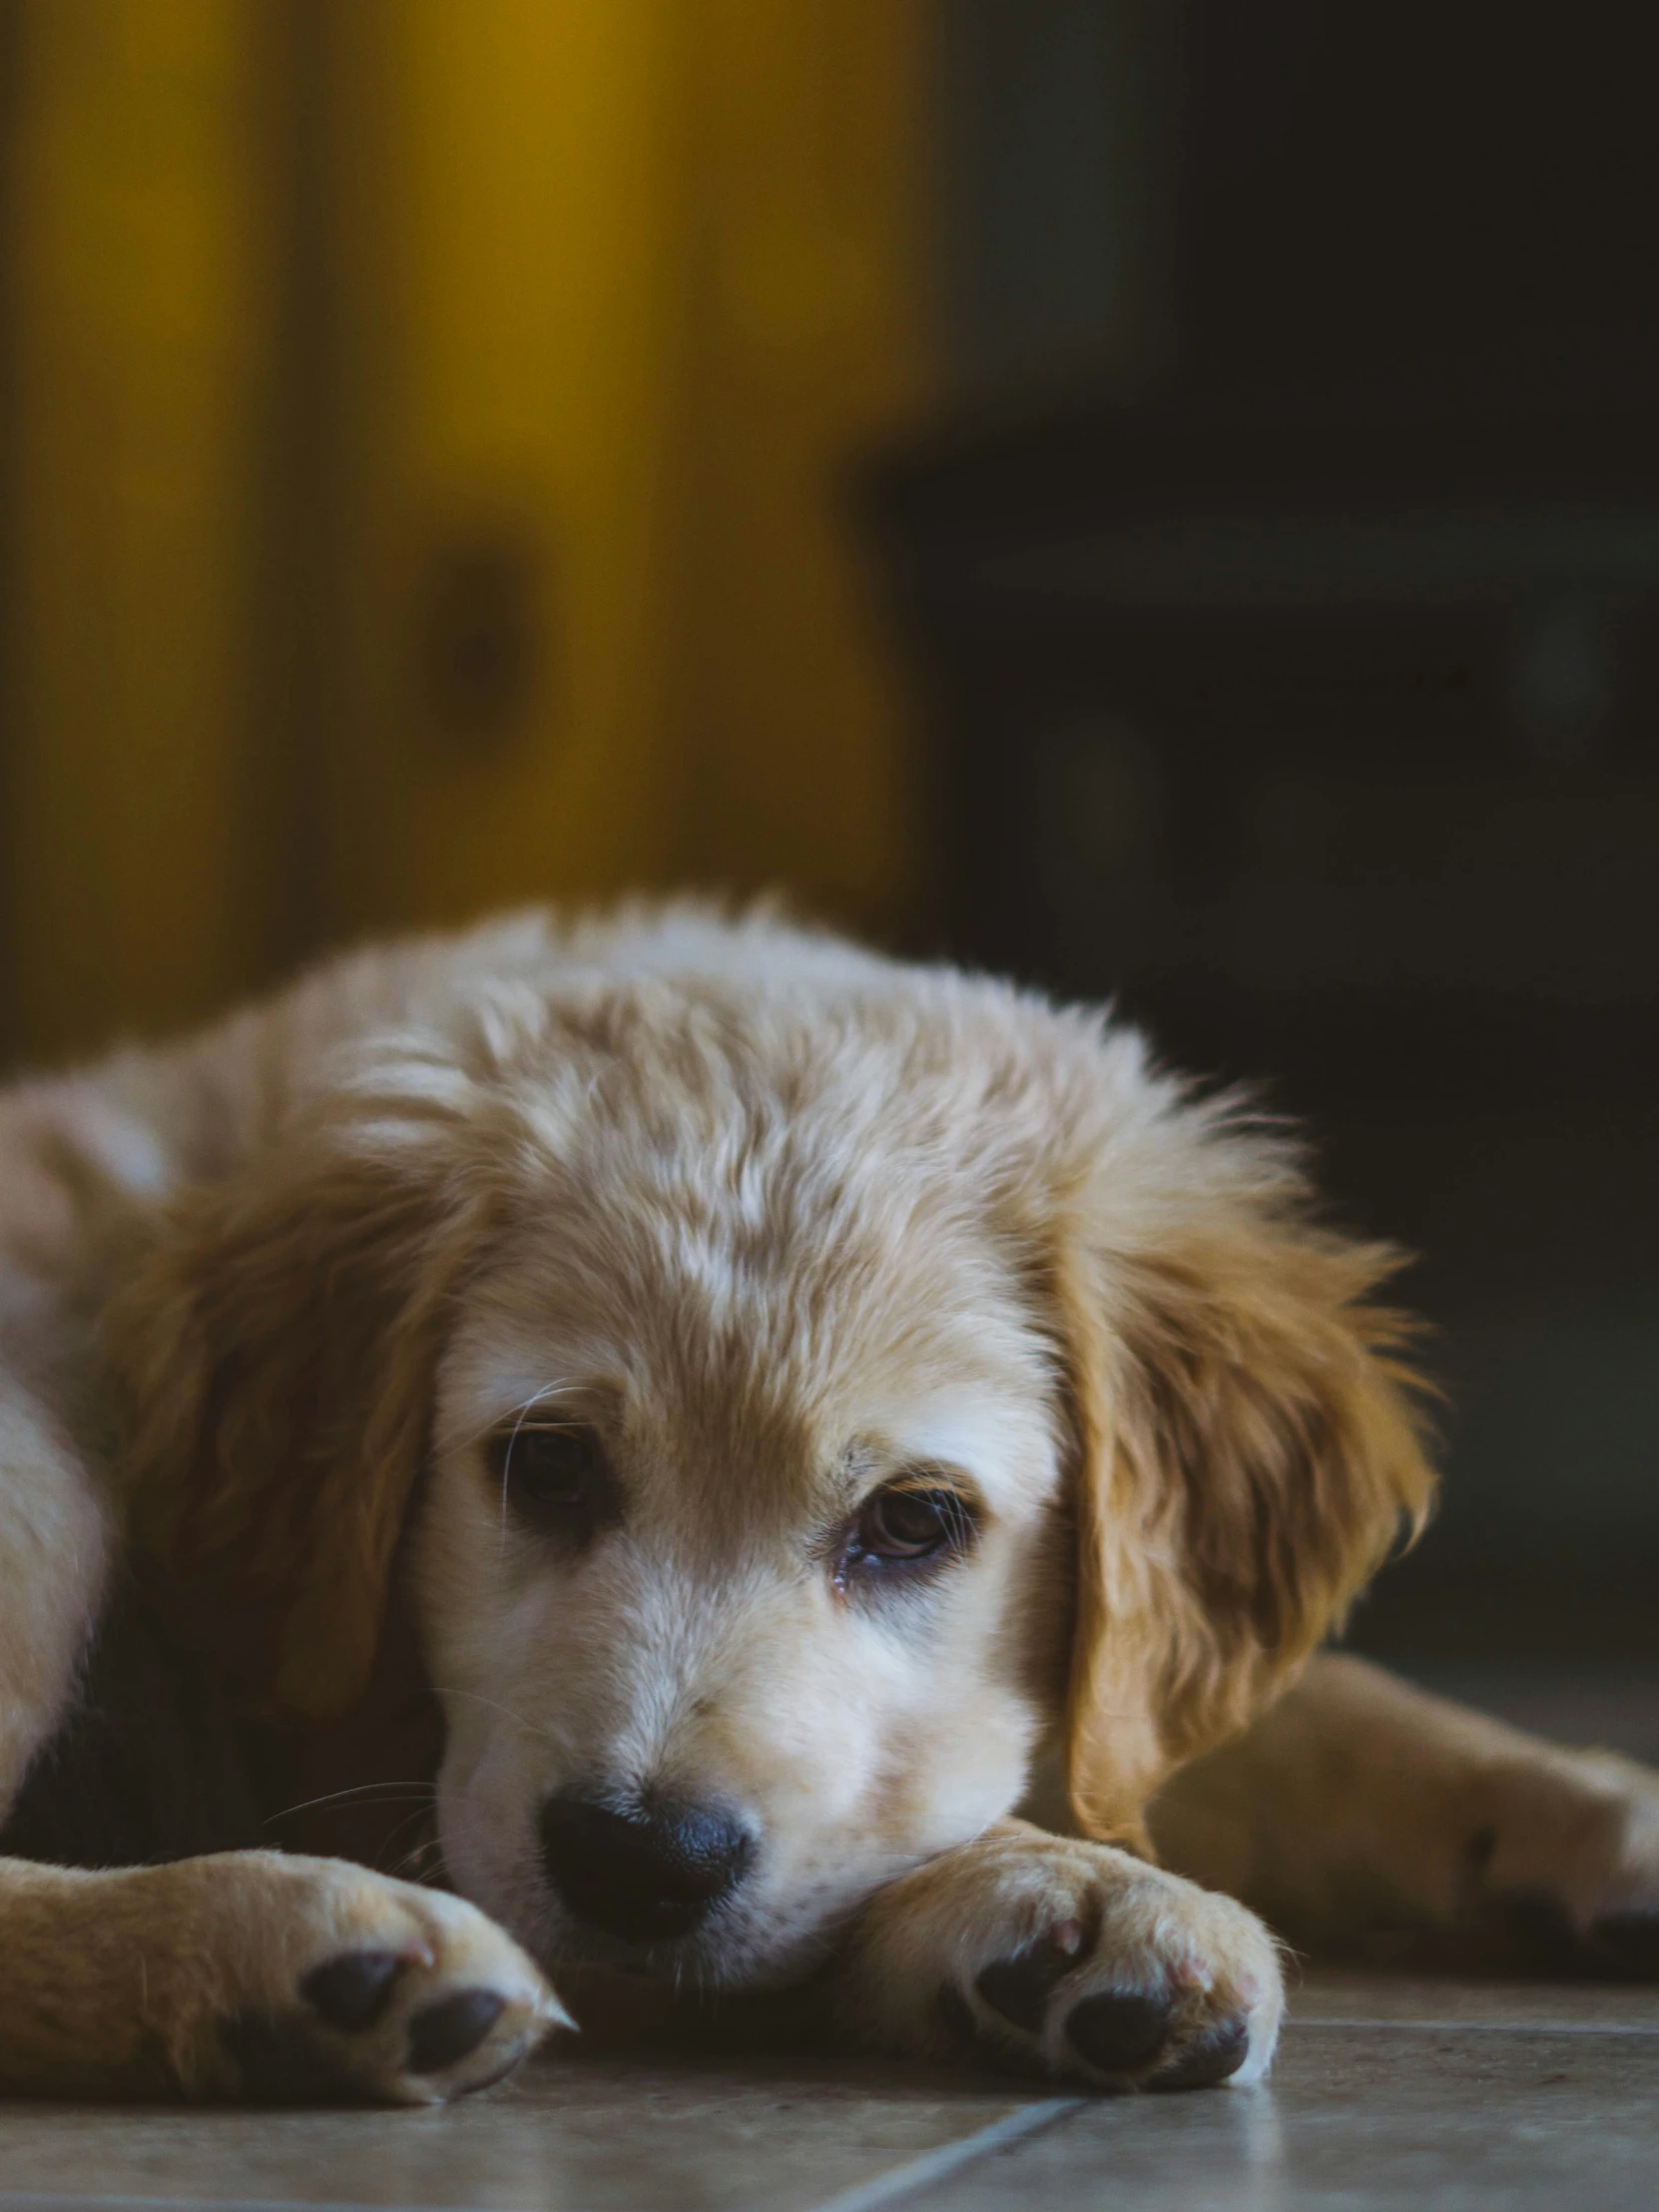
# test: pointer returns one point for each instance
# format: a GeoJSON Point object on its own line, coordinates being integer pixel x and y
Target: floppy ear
{"type": "Point", "coordinates": [275, 1356]}
{"type": "Point", "coordinates": [1247, 1452]}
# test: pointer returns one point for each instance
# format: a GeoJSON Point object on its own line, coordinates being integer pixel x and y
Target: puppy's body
{"type": "Point", "coordinates": [844, 1434]}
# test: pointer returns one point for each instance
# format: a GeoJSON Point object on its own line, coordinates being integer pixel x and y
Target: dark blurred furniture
{"type": "Point", "coordinates": [1328, 728]}
{"type": "Point", "coordinates": [1321, 727]}
{"type": "Point", "coordinates": [1296, 681]}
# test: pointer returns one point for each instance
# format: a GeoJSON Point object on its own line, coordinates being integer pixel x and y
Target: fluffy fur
{"type": "Point", "coordinates": [781, 1228]}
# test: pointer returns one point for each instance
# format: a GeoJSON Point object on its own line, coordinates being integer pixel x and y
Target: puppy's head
{"type": "Point", "coordinates": [806, 1406]}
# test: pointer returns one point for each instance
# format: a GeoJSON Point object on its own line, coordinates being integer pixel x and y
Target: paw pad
{"type": "Point", "coordinates": [1019, 1987]}
{"type": "Point", "coordinates": [351, 1991]}
{"type": "Point", "coordinates": [278, 2062]}
{"type": "Point", "coordinates": [1541, 1933]}
{"type": "Point", "coordinates": [450, 2029]}
{"type": "Point", "coordinates": [1630, 1943]}
{"type": "Point", "coordinates": [1120, 2029]}
{"type": "Point", "coordinates": [1216, 2056]}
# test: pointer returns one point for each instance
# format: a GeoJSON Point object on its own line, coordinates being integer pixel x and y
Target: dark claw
{"type": "Point", "coordinates": [447, 2030]}
{"type": "Point", "coordinates": [1631, 1941]}
{"type": "Point", "coordinates": [352, 1992]}
{"type": "Point", "coordinates": [1211, 2059]}
{"type": "Point", "coordinates": [1021, 1987]}
{"type": "Point", "coordinates": [1120, 2029]}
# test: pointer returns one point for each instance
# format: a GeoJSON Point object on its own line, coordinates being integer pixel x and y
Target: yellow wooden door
{"type": "Point", "coordinates": [138, 305]}
{"type": "Point", "coordinates": [429, 418]}
{"type": "Point", "coordinates": [506, 356]}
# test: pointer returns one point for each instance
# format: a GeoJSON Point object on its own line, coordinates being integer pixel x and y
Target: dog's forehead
{"type": "Point", "coordinates": [788, 1250]}
{"type": "Point", "coordinates": [785, 1298]}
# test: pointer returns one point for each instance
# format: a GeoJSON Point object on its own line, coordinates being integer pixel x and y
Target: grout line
{"type": "Point", "coordinates": [102, 2200]}
{"type": "Point", "coordinates": [934, 2165]}
{"type": "Point", "coordinates": [886, 2189]}
{"type": "Point", "coordinates": [1486, 2028]}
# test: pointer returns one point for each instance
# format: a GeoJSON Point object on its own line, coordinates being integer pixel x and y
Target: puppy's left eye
{"type": "Point", "coordinates": [553, 1477]}
{"type": "Point", "coordinates": [906, 1524]}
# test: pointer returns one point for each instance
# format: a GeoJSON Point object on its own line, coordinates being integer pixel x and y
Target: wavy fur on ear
{"type": "Point", "coordinates": [1247, 1449]}
{"type": "Point", "coordinates": [276, 1355]}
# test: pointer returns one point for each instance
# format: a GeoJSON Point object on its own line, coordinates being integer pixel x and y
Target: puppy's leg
{"type": "Point", "coordinates": [1075, 1957]}
{"type": "Point", "coordinates": [1366, 1819]}
{"type": "Point", "coordinates": [256, 1975]}
{"type": "Point", "coordinates": [55, 1544]}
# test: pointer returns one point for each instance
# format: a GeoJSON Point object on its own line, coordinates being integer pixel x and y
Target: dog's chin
{"type": "Point", "coordinates": [717, 1961]}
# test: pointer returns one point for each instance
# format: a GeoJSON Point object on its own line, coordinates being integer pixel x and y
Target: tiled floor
{"type": "Point", "coordinates": [1389, 2095]}
{"type": "Point", "coordinates": [1440, 2097]}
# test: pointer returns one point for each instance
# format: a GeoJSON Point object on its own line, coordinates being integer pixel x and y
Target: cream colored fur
{"type": "Point", "coordinates": [780, 1224]}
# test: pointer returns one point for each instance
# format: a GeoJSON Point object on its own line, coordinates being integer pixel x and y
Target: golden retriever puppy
{"type": "Point", "coordinates": [844, 1436]}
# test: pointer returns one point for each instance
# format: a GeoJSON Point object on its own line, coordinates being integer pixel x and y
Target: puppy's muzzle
{"type": "Point", "coordinates": [648, 1874]}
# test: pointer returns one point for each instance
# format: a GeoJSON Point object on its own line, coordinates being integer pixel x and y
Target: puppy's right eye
{"type": "Point", "coordinates": [553, 1477]}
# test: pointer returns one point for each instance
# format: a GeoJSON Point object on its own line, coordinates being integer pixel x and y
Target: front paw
{"type": "Point", "coordinates": [1560, 1868]}
{"type": "Point", "coordinates": [1073, 1958]}
{"type": "Point", "coordinates": [350, 1985]}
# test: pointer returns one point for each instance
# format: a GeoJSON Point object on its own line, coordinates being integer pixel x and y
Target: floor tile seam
{"type": "Point", "coordinates": [1475, 2027]}
{"type": "Point", "coordinates": [885, 2189]}
{"type": "Point", "coordinates": [950, 2159]}
{"type": "Point", "coordinates": [105, 2200]}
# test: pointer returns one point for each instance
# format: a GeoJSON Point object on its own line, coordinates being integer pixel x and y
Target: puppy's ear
{"type": "Point", "coordinates": [275, 1356]}
{"type": "Point", "coordinates": [1247, 1453]}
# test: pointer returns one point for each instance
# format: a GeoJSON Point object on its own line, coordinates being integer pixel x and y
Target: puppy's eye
{"type": "Point", "coordinates": [905, 1525]}
{"type": "Point", "coordinates": [555, 1477]}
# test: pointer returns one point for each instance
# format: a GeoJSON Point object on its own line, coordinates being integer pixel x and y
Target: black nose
{"type": "Point", "coordinates": [645, 1873]}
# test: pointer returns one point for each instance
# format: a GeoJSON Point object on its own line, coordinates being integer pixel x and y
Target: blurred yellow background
{"type": "Point", "coordinates": [426, 422]}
